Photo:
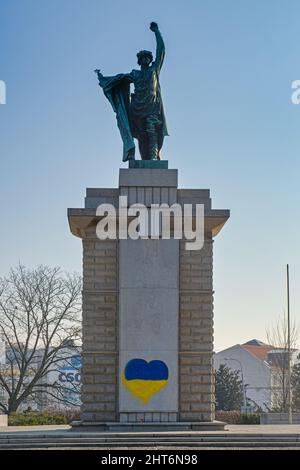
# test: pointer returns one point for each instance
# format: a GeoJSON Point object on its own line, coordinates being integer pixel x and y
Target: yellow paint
{"type": "Point", "coordinates": [143, 389]}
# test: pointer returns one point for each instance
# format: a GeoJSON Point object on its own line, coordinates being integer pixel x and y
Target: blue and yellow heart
{"type": "Point", "coordinates": [144, 379]}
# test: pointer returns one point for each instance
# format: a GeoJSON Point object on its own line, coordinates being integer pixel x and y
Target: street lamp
{"type": "Point", "coordinates": [241, 369]}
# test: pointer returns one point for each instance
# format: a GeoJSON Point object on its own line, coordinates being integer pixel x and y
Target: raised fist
{"type": "Point", "coordinates": [153, 26]}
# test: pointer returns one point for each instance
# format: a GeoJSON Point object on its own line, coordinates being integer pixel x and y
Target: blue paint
{"type": "Point", "coordinates": [143, 370]}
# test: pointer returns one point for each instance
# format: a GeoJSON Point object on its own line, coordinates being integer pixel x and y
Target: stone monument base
{"type": "Point", "coordinates": [147, 345]}
{"type": "Point", "coordinates": [3, 420]}
{"type": "Point", "coordinates": [147, 427]}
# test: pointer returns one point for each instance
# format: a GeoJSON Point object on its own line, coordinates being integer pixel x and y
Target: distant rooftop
{"type": "Point", "coordinates": [255, 342]}
{"type": "Point", "coordinates": [257, 348]}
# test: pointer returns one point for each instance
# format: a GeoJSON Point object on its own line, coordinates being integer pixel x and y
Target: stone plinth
{"type": "Point", "coordinates": [3, 420]}
{"type": "Point", "coordinates": [156, 164]}
{"type": "Point", "coordinates": [147, 300]}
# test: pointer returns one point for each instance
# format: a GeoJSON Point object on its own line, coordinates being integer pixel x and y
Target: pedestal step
{"type": "Point", "coordinates": [148, 427]}
{"type": "Point", "coordinates": [162, 440]}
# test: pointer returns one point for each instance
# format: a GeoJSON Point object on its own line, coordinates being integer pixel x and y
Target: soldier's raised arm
{"type": "Point", "coordinates": [160, 46]}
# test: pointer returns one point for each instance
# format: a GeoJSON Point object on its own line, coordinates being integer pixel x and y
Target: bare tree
{"type": "Point", "coordinates": [277, 336]}
{"type": "Point", "coordinates": [39, 319]}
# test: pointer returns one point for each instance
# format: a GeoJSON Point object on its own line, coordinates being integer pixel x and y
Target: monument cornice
{"type": "Point", "coordinates": [80, 220]}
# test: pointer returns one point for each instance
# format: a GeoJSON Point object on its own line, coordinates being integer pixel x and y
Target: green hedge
{"type": "Point", "coordinates": [33, 418]}
{"type": "Point", "coordinates": [250, 418]}
{"type": "Point", "coordinates": [65, 417]}
{"type": "Point", "coordinates": [236, 417]}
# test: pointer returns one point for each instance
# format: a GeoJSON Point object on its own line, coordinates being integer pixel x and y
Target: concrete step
{"type": "Point", "coordinates": [145, 440]}
{"type": "Point", "coordinates": [16, 440]}
{"type": "Point", "coordinates": [150, 444]}
{"type": "Point", "coordinates": [69, 435]}
{"type": "Point", "coordinates": [138, 435]}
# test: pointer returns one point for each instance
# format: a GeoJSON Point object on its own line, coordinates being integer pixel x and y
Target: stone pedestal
{"type": "Point", "coordinates": [3, 420]}
{"type": "Point", "coordinates": [147, 310]}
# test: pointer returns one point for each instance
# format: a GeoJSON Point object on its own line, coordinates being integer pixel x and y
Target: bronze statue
{"type": "Point", "coordinates": [139, 115]}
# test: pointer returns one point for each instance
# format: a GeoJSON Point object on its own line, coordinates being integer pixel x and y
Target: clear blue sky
{"type": "Point", "coordinates": [226, 84]}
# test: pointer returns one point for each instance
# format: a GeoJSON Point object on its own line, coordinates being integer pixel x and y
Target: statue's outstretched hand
{"type": "Point", "coordinates": [153, 26]}
{"type": "Point", "coordinates": [98, 72]}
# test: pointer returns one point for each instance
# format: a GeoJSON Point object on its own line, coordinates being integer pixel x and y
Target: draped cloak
{"type": "Point", "coordinates": [117, 91]}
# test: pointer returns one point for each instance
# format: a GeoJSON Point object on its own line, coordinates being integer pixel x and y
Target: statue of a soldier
{"type": "Point", "coordinates": [139, 115]}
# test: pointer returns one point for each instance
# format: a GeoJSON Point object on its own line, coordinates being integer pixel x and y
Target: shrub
{"type": "Point", "coordinates": [250, 418]}
{"type": "Point", "coordinates": [33, 418]}
{"type": "Point", "coordinates": [236, 417]}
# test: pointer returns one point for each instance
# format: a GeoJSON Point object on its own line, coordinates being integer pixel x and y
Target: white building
{"type": "Point", "coordinates": [63, 380]}
{"type": "Point", "coordinates": [250, 360]}
{"type": "Point", "coordinates": [278, 361]}
{"type": "Point", "coordinates": [67, 376]}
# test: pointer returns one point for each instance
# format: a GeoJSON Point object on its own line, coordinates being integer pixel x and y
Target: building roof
{"type": "Point", "coordinates": [257, 348]}
{"type": "Point", "coordinates": [255, 342]}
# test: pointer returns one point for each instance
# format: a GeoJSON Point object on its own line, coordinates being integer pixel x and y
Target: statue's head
{"type": "Point", "coordinates": [144, 58]}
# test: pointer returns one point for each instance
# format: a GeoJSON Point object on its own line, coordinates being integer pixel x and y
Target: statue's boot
{"type": "Point", "coordinates": [143, 145]}
{"type": "Point", "coordinates": [152, 146]}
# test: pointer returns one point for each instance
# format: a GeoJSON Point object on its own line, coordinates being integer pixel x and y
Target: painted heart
{"type": "Point", "coordinates": [144, 379]}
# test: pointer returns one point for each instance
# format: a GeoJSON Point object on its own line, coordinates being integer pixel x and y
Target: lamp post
{"type": "Point", "coordinates": [289, 401]}
{"type": "Point", "coordinates": [241, 369]}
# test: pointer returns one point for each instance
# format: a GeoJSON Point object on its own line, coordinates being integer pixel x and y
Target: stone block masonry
{"type": "Point", "coordinates": [100, 329]}
{"type": "Point", "coordinates": [146, 301]}
{"type": "Point", "coordinates": [196, 400]}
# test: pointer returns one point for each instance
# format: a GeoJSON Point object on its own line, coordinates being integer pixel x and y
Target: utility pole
{"type": "Point", "coordinates": [289, 397]}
